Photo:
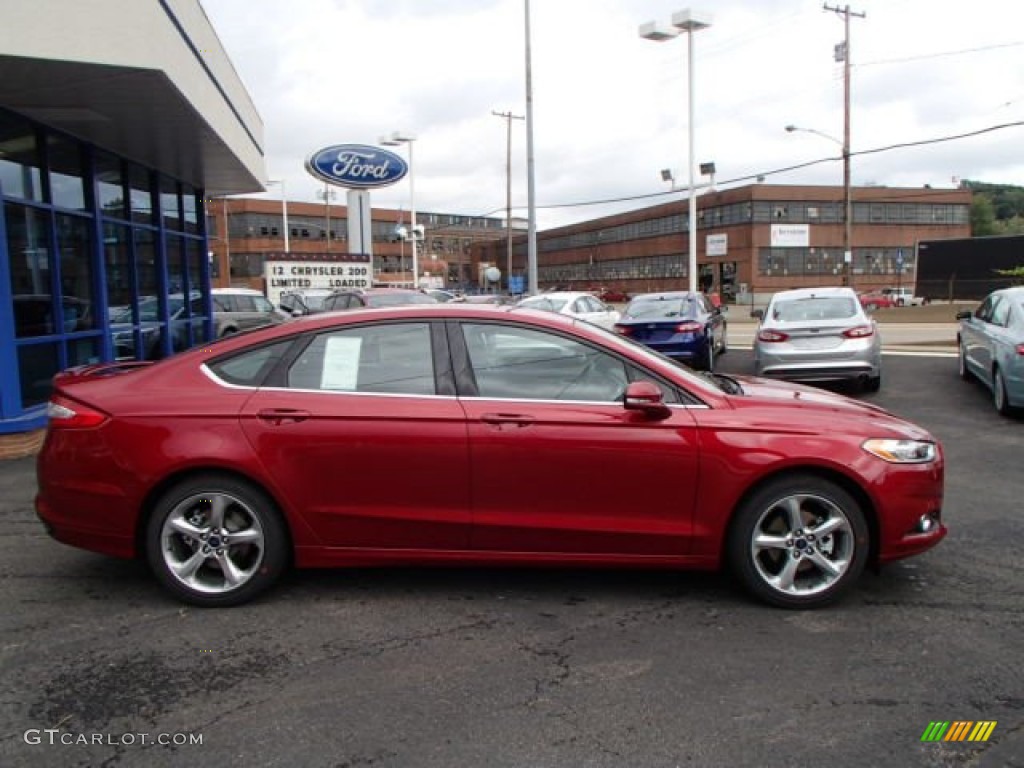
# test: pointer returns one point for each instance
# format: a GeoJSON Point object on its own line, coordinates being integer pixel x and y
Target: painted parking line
{"type": "Point", "coordinates": [907, 352]}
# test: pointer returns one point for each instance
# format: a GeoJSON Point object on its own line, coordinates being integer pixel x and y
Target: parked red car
{"type": "Point", "coordinates": [451, 433]}
{"type": "Point", "coordinates": [611, 295]}
{"type": "Point", "coordinates": [872, 300]}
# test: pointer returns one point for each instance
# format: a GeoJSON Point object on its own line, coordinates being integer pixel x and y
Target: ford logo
{"type": "Point", "coordinates": [358, 166]}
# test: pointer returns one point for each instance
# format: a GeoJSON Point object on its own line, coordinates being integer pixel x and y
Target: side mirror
{"type": "Point", "coordinates": [646, 397]}
{"type": "Point", "coordinates": [758, 313]}
{"type": "Point", "coordinates": [965, 315]}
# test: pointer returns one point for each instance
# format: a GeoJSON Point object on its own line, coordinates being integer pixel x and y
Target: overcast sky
{"type": "Point", "coordinates": [610, 108]}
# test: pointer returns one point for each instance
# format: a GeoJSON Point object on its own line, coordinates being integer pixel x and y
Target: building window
{"type": "Point", "coordinates": [20, 174]}
{"type": "Point", "coordinates": [64, 159]}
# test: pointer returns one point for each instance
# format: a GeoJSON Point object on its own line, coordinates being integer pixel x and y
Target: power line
{"type": "Point", "coordinates": [790, 168]}
{"type": "Point", "coordinates": [940, 55]}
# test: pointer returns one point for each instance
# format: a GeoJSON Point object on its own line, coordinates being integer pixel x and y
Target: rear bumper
{"type": "Point", "coordinates": [811, 372]}
{"type": "Point", "coordinates": [79, 533]}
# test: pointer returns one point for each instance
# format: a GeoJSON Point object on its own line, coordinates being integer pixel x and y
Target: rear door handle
{"type": "Point", "coordinates": [507, 419]}
{"type": "Point", "coordinates": [279, 416]}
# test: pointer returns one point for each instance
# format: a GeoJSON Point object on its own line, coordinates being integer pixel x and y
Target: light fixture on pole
{"type": "Point", "coordinates": [847, 199]}
{"type": "Point", "coordinates": [327, 194]}
{"type": "Point", "coordinates": [688, 21]}
{"type": "Point", "coordinates": [284, 211]}
{"type": "Point", "coordinates": [394, 140]}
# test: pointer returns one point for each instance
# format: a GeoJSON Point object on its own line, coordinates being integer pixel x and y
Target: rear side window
{"type": "Point", "coordinates": [393, 358]}
{"type": "Point", "coordinates": [250, 368]}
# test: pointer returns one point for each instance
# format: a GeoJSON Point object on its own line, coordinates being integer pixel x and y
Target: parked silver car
{"type": "Point", "coordinates": [991, 343]}
{"type": "Point", "coordinates": [818, 335]}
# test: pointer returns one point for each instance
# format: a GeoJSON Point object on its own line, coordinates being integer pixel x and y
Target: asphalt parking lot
{"type": "Point", "coordinates": [415, 667]}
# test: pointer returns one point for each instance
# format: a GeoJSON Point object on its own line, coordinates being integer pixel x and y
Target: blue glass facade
{"type": "Point", "coordinates": [100, 259]}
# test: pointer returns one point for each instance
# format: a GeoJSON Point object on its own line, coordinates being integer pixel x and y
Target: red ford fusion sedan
{"type": "Point", "coordinates": [452, 433]}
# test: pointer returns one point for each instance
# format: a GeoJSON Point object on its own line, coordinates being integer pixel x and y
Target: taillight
{"type": "Point", "coordinates": [767, 335]}
{"type": "Point", "coordinates": [859, 332]}
{"type": "Point", "coordinates": [1020, 349]}
{"type": "Point", "coordinates": [623, 330]}
{"type": "Point", "coordinates": [689, 328]}
{"type": "Point", "coordinates": [67, 414]}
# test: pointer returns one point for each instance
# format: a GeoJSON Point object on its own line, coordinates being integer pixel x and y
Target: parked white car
{"type": "Point", "coordinates": [904, 297]}
{"type": "Point", "coordinates": [584, 306]}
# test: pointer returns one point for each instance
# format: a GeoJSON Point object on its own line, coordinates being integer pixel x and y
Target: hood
{"type": "Point", "coordinates": [821, 405]}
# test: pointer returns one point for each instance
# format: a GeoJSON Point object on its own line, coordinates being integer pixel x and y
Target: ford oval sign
{"type": "Point", "coordinates": [357, 166]}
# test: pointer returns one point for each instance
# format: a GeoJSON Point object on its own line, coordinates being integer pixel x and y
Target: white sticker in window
{"type": "Point", "coordinates": [341, 363]}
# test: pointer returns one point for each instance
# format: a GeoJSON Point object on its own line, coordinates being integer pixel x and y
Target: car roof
{"type": "Point", "coordinates": [664, 295]}
{"type": "Point", "coordinates": [812, 293]}
{"type": "Point", "coordinates": [244, 291]}
{"type": "Point", "coordinates": [557, 295]}
{"type": "Point", "coordinates": [308, 292]}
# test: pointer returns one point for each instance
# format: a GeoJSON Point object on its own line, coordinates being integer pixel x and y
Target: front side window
{"type": "Point", "coordinates": [525, 364]}
{"type": "Point", "coordinates": [1000, 312]}
{"type": "Point", "coordinates": [394, 358]}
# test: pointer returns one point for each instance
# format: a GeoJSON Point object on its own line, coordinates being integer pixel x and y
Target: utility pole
{"type": "Point", "coordinates": [842, 53]}
{"type": "Point", "coordinates": [509, 117]}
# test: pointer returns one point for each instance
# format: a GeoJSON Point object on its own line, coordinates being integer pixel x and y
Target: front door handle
{"type": "Point", "coordinates": [279, 416]}
{"type": "Point", "coordinates": [501, 420]}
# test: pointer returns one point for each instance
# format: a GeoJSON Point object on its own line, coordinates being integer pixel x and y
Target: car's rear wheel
{"type": "Point", "coordinates": [215, 540]}
{"type": "Point", "coordinates": [999, 397]}
{"type": "Point", "coordinates": [799, 542]}
{"type": "Point", "coordinates": [873, 383]}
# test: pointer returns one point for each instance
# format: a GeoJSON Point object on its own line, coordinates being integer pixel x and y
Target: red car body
{"type": "Point", "coordinates": [365, 479]}
{"type": "Point", "coordinates": [876, 300]}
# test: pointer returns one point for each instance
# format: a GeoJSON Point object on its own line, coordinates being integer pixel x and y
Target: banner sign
{"type": "Point", "coordinates": [341, 271]}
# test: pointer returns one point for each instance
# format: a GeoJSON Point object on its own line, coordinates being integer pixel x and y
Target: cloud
{"type": "Point", "coordinates": [610, 109]}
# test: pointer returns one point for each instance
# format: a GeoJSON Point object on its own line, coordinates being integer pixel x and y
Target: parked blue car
{"type": "Point", "coordinates": [991, 343]}
{"type": "Point", "coordinates": [679, 324]}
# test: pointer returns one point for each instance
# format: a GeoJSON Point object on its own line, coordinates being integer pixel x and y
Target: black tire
{"type": "Point", "coordinates": [707, 360]}
{"type": "Point", "coordinates": [999, 396]}
{"type": "Point", "coordinates": [873, 384]}
{"type": "Point", "coordinates": [965, 372]}
{"type": "Point", "coordinates": [870, 307]}
{"type": "Point", "coordinates": [785, 528]}
{"type": "Point", "coordinates": [250, 546]}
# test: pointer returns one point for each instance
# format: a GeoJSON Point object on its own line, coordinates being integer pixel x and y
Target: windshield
{"type": "Point", "coordinates": [315, 302]}
{"type": "Point", "coordinates": [814, 308]}
{"type": "Point", "coordinates": [395, 299]}
{"type": "Point", "coordinates": [659, 308]}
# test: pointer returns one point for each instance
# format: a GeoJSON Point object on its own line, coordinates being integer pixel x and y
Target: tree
{"type": "Point", "coordinates": [983, 215]}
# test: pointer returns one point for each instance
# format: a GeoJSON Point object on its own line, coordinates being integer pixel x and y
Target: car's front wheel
{"type": "Point", "coordinates": [215, 540]}
{"type": "Point", "coordinates": [799, 541]}
{"type": "Point", "coordinates": [999, 396]}
{"type": "Point", "coordinates": [965, 372]}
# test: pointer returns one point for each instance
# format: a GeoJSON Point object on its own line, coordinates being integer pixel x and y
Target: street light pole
{"type": "Point", "coordinates": [395, 139]}
{"type": "Point", "coordinates": [687, 21]}
{"type": "Point", "coordinates": [284, 211]}
{"type": "Point", "coordinates": [508, 117]}
{"type": "Point", "coordinates": [847, 194]}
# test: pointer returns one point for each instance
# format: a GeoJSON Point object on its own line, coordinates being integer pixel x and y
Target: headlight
{"type": "Point", "coordinates": [901, 451]}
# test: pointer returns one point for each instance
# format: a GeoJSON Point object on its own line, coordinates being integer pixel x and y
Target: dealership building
{"type": "Point", "coordinates": [751, 241]}
{"type": "Point", "coordinates": [117, 120]}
